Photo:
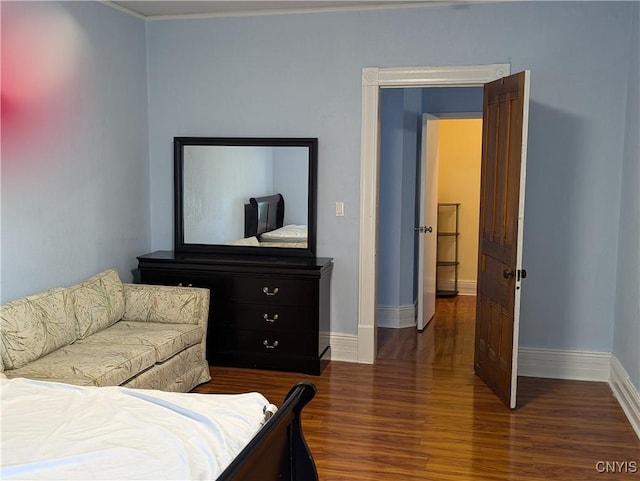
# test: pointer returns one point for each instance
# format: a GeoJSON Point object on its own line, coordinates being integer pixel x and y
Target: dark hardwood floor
{"type": "Point", "coordinates": [420, 413]}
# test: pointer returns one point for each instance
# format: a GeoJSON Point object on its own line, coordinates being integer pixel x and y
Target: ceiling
{"type": "Point", "coordinates": [179, 8]}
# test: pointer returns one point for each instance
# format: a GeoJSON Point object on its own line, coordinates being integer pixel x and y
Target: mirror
{"type": "Point", "coordinates": [245, 195]}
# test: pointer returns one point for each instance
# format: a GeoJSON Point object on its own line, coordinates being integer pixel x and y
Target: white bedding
{"type": "Point", "coordinates": [59, 431]}
{"type": "Point", "coordinates": [288, 233]}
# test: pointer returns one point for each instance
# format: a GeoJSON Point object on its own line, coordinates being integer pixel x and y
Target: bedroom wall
{"type": "Point", "coordinates": [300, 75]}
{"type": "Point", "coordinates": [75, 170]}
{"type": "Point", "coordinates": [627, 311]}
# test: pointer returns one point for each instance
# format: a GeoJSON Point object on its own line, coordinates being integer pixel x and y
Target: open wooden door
{"type": "Point", "coordinates": [427, 230]}
{"type": "Point", "coordinates": [500, 273]}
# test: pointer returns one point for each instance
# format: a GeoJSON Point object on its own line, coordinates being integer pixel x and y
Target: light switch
{"type": "Point", "coordinates": [339, 209]}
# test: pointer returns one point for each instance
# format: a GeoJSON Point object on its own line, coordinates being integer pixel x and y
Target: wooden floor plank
{"type": "Point", "coordinates": [420, 413]}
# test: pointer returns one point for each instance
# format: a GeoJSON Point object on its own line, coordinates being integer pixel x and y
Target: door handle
{"type": "Point", "coordinates": [507, 273]}
{"type": "Point", "coordinates": [423, 229]}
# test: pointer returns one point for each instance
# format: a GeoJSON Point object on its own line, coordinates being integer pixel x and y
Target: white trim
{"type": "Point", "coordinates": [124, 9]}
{"type": "Point", "coordinates": [626, 393]}
{"type": "Point", "coordinates": [293, 11]}
{"type": "Point", "coordinates": [344, 347]}
{"type": "Point", "coordinates": [369, 171]}
{"type": "Point", "coordinates": [520, 238]}
{"type": "Point", "coordinates": [374, 78]}
{"type": "Point", "coordinates": [561, 364]}
{"type": "Point", "coordinates": [471, 75]}
{"type": "Point", "coordinates": [396, 317]}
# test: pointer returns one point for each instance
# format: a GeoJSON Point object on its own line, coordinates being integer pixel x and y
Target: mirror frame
{"type": "Point", "coordinates": [178, 154]}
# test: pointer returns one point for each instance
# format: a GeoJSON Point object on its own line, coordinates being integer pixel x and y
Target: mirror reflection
{"type": "Point", "coordinates": [244, 193]}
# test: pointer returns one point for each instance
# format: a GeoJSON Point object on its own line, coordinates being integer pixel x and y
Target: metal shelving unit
{"type": "Point", "coordinates": [446, 236]}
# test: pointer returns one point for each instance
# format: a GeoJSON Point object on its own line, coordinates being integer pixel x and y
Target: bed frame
{"type": "Point", "coordinates": [278, 451]}
{"type": "Point", "coordinates": [263, 214]}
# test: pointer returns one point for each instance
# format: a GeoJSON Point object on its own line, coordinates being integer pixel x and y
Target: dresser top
{"type": "Point", "coordinates": [192, 258]}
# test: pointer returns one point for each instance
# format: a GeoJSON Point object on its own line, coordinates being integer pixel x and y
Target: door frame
{"type": "Point", "coordinates": [374, 79]}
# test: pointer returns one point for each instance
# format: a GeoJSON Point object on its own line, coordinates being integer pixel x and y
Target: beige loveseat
{"type": "Point", "coordinates": [103, 332]}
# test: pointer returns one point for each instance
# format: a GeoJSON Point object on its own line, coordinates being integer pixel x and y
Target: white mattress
{"type": "Point", "coordinates": [59, 431]}
{"type": "Point", "coordinates": [288, 233]}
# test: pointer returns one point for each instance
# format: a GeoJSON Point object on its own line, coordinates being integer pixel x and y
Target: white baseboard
{"type": "Point", "coordinates": [344, 347]}
{"type": "Point", "coordinates": [626, 393]}
{"type": "Point", "coordinates": [560, 364]}
{"type": "Point", "coordinates": [465, 288]}
{"type": "Point", "coordinates": [396, 317]}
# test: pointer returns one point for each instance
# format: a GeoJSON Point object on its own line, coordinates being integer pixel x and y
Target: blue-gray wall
{"type": "Point", "coordinates": [96, 202]}
{"type": "Point", "coordinates": [399, 136]}
{"type": "Point", "coordinates": [627, 311]}
{"type": "Point", "coordinates": [450, 100]}
{"type": "Point", "coordinates": [75, 162]}
{"type": "Point", "coordinates": [390, 205]}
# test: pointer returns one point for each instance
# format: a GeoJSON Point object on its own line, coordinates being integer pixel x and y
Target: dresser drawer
{"type": "Point", "coordinates": [273, 290]}
{"type": "Point", "coordinates": [274, 317]}
{"type": "Point", "coordinates": [264, 342]}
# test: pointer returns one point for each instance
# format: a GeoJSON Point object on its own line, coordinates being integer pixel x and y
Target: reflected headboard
{"type": "Point", "coordinates": [263, 214]}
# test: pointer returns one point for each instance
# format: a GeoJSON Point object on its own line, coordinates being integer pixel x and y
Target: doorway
{"type": "Point", "coordinates": [455, 144]}
{"type": "Point", "coordinates": [373, 79]}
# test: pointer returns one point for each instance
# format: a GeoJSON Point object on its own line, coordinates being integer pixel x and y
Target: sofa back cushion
{"type": "Point", "coordinates": [97, 303]}
{"type": "Point", "coordinates": [33, 326]}
{"type": "Point", "coordinates": [166, 304]}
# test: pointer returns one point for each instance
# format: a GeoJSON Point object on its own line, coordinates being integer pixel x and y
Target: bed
{"type": "Point", "coordinates": [264, 224]}
{"type": "Point", "coordinates": [60, 431]}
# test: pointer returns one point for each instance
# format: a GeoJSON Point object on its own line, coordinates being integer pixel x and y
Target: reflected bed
{"type": "Point", "coordinates": [264, 225]}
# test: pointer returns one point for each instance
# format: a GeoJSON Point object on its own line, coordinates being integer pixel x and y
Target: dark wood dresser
{"type": "Point", "coordinates": [265, 312]}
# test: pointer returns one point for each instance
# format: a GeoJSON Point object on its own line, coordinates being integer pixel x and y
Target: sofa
{"type": "Point", "coordinates": [103, 332]}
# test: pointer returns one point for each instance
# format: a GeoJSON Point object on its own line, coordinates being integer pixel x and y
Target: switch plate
{"type": "Point", "coordinates": [339, 209]}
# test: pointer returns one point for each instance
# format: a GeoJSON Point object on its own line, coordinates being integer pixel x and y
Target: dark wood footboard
{"type": "Point", "coordinates": [278, 451]}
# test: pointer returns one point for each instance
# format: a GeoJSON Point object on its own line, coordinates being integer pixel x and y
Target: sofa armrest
{"type": "Point", "coordinates": [167, 304]}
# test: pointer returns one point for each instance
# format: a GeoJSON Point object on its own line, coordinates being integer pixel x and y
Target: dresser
{"type": "Point", "coordinates": [265, 312]}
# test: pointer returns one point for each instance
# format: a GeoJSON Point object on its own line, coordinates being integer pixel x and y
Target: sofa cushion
{"type": "Point", "coordinates": [34, 326]}
{"type": "Point", "coordinates": [90, 364]}
{"type": "Point", "coordinates": [163, 304]}
{"type": "Point", "coordinates": [178, 373]}
{"type": "Point", "coordinates": [166, 339]}
{"type": "Point", "coordinates": [98, 302]}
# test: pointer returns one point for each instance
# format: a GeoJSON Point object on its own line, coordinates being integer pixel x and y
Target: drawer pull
{"type": "Point", "coordinates": [268, 319]}
{"type": "Point", "coordinates": [270, 293]}
{"type": "Point", "coordinates": [181, 285]}
{"type": "Point", "coordinates": [266, 344]}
